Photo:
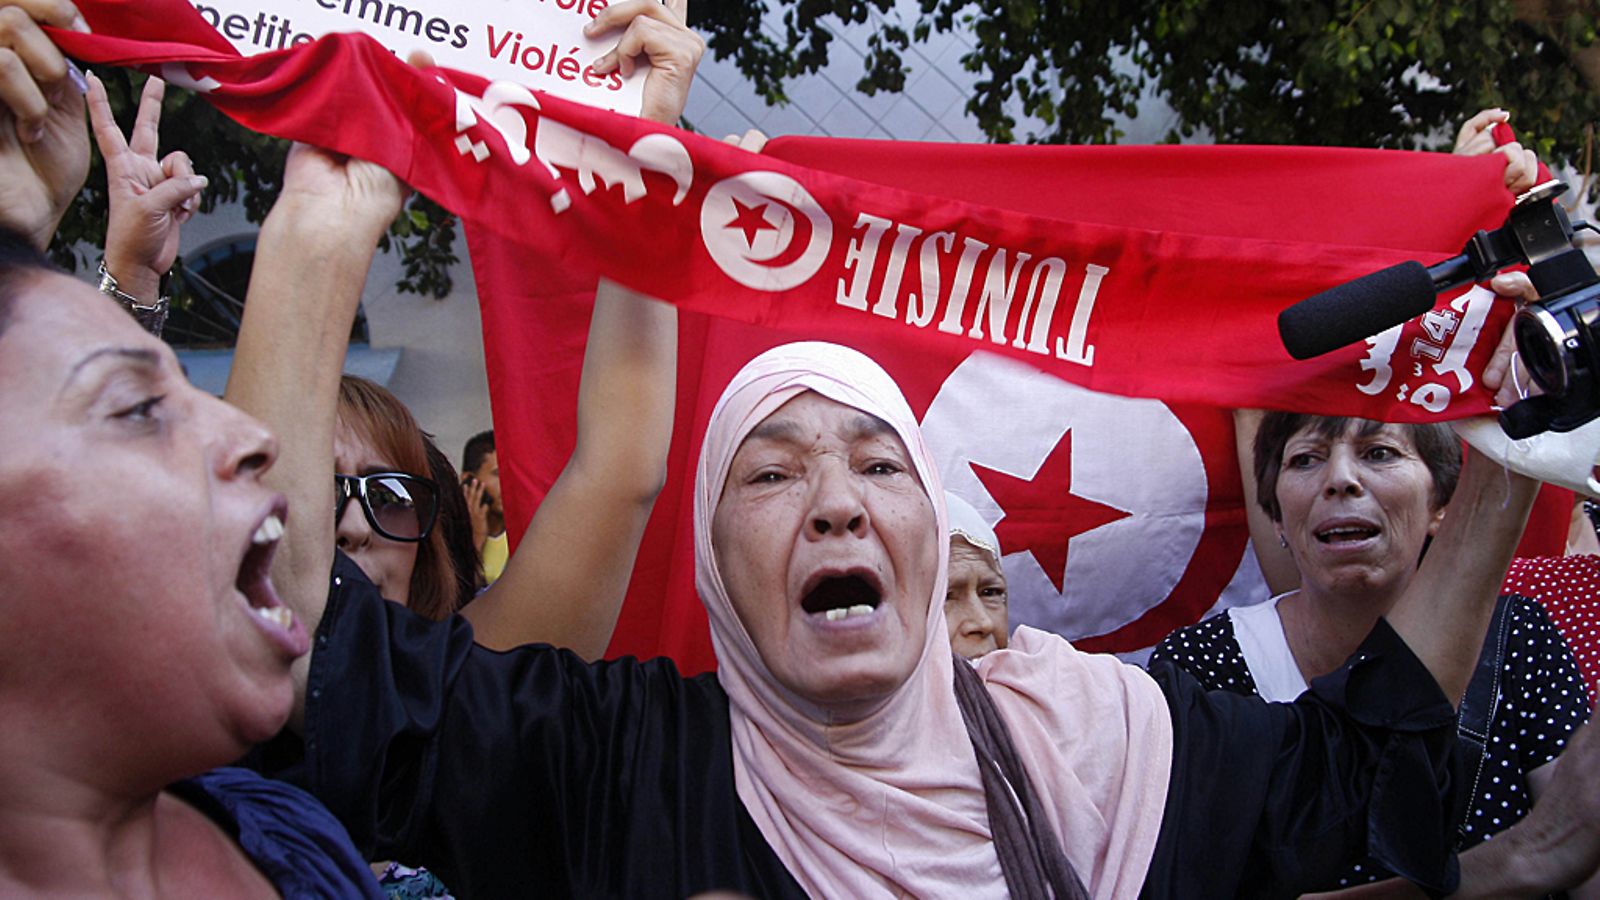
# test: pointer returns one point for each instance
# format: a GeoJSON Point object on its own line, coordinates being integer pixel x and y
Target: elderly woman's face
{"type": "Point", "coordinates": [135, 536]}
{"type": "Point", "coordinates": [828, 547]}
{"type": "Point", "coordinates": [1356, 508]}
{"type": "Point", "coordinates": [975, 608]}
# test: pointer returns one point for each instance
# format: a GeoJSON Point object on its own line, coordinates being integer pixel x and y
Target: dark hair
{"type": "Point", "coordinates": [379, 417]}
{"type": "Point", "coordinates": [478, 446]}
{"type": "Point", "coordinates": [19, 259]}
{"type": "Point", "coordinates": [1436, 445]}
{"type": "Point", "coordinates": [455, 524]}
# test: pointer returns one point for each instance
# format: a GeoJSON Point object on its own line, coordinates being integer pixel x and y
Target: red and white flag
{"type": "Point", "coordinates": [1153, 272]}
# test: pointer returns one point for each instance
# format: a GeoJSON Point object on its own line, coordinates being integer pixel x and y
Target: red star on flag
{"type": "Point", "coordinates": [1043, 514]}
{"type": "Point", "coordinates": [751, 220]}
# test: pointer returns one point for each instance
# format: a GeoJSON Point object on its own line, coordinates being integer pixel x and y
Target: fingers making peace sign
{"type": "Point", "coordinates": [150, 197]}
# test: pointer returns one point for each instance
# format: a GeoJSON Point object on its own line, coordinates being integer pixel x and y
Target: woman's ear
{"type": "Point", "coordinates": [1435, 521]}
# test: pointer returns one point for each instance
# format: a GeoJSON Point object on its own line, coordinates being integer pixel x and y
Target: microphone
{"type": "Point", "coordinates": [1359, 309]}
{"type": "Point", "coordinates": [1559, 335]}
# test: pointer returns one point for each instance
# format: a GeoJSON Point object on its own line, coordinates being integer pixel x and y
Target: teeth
{"type": "Point", "coordinates": [269, 531]}
{"type": "Point", "coordinates": [835, 615]}
{"type": "Point", "coordinates": [277, 615]}
{"type": "Point", "coordinates": [860, 610]}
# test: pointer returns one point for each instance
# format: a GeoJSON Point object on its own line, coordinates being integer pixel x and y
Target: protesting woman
{"type": "Point", "coordinates": [837, 750]}
{"type": "Point", "coordinates": [312, 259]}
{"type": "Point", "coordinates": [146, 646]}
{"type": "Point", "coordinates": [1355, 503]}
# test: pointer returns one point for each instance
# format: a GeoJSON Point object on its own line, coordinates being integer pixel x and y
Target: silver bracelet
{"type": "Point", "coordinates": [152, 317]}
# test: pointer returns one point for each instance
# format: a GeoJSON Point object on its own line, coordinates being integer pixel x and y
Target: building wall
{"type": "Point", "coordinates": [440, 375]}
{"type": "Point", "coordinates": [436, 346]}
{"type": "Point", "coordinates": [932, 107]}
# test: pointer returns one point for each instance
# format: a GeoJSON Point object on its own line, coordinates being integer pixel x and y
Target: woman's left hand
{"type": "Point", "coordinates": [658, 32]}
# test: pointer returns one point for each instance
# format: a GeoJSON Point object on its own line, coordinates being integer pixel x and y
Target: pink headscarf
{"type": "Point", "coordinates": [891, 805]}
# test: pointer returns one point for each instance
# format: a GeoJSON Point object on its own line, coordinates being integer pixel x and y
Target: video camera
{"type": "Point", "coordinates": [1558, 336]}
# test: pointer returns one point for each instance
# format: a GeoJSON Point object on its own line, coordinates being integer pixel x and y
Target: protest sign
{"type": "Point", "coordinates": [536, 43]}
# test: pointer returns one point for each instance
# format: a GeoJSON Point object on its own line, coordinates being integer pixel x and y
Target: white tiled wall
{"type": "Point", "coordinates": [932, 107]}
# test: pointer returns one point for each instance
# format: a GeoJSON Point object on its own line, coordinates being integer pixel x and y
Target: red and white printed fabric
{"type": "Point", "coordinates": [1147, 272]}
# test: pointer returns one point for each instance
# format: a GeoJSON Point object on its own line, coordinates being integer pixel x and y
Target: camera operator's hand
{"type": "Point", "coordinates": [1476, 138]}
{"type": "Point", "coordinates": [1499, 376]}
{"type": "Point", "coordinates": [1564, 458]}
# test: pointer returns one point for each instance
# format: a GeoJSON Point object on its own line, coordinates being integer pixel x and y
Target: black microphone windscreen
{"type": "Point", "coordinates": [1356, 310]}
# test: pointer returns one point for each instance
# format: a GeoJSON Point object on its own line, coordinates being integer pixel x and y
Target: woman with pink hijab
{"type": "Point", "coordinates": [841, 750]}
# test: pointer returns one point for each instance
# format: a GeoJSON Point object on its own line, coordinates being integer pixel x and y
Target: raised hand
{"type": "Point", "coordinates": [149, 198]}
{"type": "Point", "coordinates": [1476, 138]}
{"type": "Point", "coordinates": [658, 32]}
{"type": "Point", "coordinates": [44, 148]}
{"type": "Point", "coordinates": [753, 140]}
{"type": "Point", "coordinates": [353, 191]}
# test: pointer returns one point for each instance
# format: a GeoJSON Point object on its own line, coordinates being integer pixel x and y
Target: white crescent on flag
{"type": "Point", "coordinates": [1099, 501]}
{"type": "Point", "coordinates": [764, 230]}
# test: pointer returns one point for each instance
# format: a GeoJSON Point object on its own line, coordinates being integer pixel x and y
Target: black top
{"type": "Point", "coordinates": [533, 771]}
{"type": "Point", "coordinates": [1541, 702]}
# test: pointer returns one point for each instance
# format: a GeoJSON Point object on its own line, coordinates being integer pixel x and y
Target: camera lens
{"type": "Point", "coordinates": [1542, 343]}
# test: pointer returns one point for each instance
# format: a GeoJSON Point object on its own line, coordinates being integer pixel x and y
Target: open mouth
{"type": "Point", "coordinates": [1347, 533]}
{"type": "Point", "coordinates": [839, 597]}
{"type": "Point", "coordinates": [255, 581]}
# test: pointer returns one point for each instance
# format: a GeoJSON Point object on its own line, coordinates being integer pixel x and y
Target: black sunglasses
{"type": "Point", "coordinates": [398, 506]}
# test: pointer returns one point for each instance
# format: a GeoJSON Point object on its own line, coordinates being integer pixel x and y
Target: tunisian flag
{"type": "Point", "coordinates": [1120, 519]}
{"type": "Point", "coordinates": [999, 285]}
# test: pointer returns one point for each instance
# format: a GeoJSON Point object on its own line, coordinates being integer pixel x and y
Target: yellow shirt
{"type": "Point", "coordinates": [495, 551]}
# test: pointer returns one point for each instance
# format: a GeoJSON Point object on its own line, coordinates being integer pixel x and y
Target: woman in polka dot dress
{"type": "Point", "coordinates": [1355, 503]}
{"type": "Point", "coordinates": [1568, 587]}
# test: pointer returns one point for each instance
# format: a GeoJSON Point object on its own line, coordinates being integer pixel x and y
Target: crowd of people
{"type": "Point", "coordinates": [215, 689]}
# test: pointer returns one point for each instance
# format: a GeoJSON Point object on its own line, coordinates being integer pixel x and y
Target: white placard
{"type": "Point", "coordinates": [537, 43]}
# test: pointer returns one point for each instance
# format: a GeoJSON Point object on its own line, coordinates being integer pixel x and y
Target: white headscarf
{"type": "Point", "coordinates": [892, 805]}
{"type": "Point", "coordinates": [968, 524]}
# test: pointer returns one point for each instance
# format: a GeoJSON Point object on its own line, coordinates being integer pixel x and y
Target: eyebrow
{"type": "Point", "coordinates": [139, 356]}
{"type": "Point", "coordinates": [787, 430]}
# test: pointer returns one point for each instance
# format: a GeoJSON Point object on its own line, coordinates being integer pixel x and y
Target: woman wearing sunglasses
{"type": "Point", "coordinates": [385, 513]}
{"type": "Point", "coordinates": [565, 584]}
